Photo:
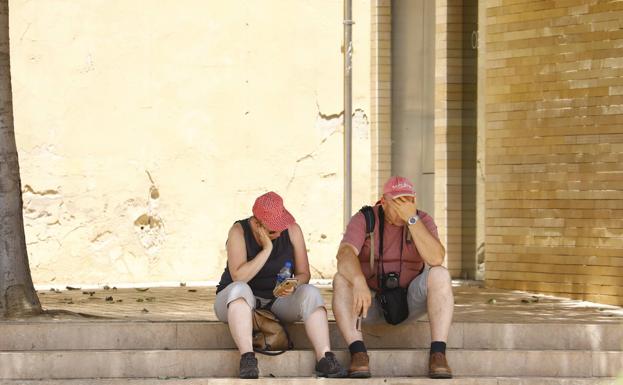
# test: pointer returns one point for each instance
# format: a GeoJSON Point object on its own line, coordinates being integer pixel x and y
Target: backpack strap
{"type": "Point", "coordinates": [368, 214]}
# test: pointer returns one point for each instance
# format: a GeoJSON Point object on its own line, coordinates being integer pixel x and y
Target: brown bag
{"type": "Point", "coordinates": [269, 334]}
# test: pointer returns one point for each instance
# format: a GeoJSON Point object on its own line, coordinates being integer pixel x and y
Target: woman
{"type": "Point", "coordinates": [257, 248]}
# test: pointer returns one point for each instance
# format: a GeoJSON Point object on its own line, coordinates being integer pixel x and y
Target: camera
{"type": "Point", "coordinates": [390, 281]}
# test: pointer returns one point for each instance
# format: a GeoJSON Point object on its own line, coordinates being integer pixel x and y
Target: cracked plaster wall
{"type": "Point", "coordinates": [144, 132]}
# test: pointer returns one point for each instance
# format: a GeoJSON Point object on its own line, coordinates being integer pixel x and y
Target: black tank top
{"type": "Point", "coordinates": [264, 282]}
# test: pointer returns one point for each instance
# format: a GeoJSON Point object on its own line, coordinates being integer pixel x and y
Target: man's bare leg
{"type": "Point", "coordinates": [440, 302]}
{"type": "Point", "coordinates": [343, 309]}
{"type": "Point", "coordinates": [347, 323]}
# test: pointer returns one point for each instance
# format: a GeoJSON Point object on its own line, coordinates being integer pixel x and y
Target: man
{"type": "Point", "coordinates": [412, 255]}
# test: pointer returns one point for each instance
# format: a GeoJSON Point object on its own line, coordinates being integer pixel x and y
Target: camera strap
{"type": "Point", "coordinates": [381, 268]}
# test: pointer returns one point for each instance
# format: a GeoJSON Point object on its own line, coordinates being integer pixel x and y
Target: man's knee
{"type": "Point", "coordinates": [340, 282]}
{"type": "Point", "coordinates": [439, 276]}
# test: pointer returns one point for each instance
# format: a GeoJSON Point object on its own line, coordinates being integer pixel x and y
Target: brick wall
{"type": "Point", "coordinates": [468, 138]}
{"type": "Point", "coordinates": [447, 135]}
{"type": "Point", "coordinates": [554, 147]}
{"type": "Point", "coordinates": [455, 134]}
{"type": "Point", "coordinates": [380, 95]}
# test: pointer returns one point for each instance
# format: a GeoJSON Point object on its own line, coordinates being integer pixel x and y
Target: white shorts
{"type": "Point", "coordinates": [417, 293]}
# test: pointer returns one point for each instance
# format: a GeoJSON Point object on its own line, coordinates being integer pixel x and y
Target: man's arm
{"type": "Point", "coordinates": [348, 267]}
{"type": "Point", "coordinates": [348, 263]}
{"type": "Point", "coordinates": [429, 247]}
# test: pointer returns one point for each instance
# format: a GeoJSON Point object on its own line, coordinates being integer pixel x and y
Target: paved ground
{"type": "Point", "coordinates": [473, 304]}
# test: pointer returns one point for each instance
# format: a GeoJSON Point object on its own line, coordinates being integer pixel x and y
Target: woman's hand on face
{"type": "Point", "coordinates": [261, 233]}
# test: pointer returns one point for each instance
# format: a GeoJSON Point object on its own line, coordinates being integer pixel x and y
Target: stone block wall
{"type": "Point", "coordinates": [554, 147]}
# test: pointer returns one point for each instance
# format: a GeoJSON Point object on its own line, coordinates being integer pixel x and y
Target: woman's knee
{"type": "Point", "coordinates": [233, 293]}
{"type": "Point", "coordinates": [311, 299]}
{"type": "Point", "coordinates": [241, 290]}
{"type": "Point", "coordinates": [306, 290]}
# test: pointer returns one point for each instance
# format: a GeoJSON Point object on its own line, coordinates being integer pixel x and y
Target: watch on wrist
{"type": "Point", "coordinates": [413, 220]}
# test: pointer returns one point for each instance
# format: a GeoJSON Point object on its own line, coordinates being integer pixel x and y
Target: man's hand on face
{"type": "Point", "coordinates": [361, 297]}
{"type": "Point", "coordinates": [405, 207]}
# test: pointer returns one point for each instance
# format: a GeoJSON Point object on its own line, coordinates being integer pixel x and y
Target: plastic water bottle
{"type": "Point", "coordinates": [285, 272]}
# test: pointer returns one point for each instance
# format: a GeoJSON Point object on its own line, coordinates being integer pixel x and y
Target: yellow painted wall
{"type": "Point", "coordinates": [554, 148]}
{"type": "Point", "coordinates": [146, 128]}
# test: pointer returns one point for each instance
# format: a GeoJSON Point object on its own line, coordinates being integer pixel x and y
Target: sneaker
{"type": "Point", "coordinates": [248, 366]}
{"type": "Point", "coordinates": [328, 366]}
{"type": "Point", "coordinates": [359, 365]}
{"type": "Point", "coordinates": [438, 366]}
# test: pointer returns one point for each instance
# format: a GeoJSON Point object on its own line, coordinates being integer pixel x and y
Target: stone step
{"type": "Point", "coordinates": [127, 335]}
{"type": "Point", "coordinates": [325, 381]}
{"type": "Point", "coordinates": [224, 363]}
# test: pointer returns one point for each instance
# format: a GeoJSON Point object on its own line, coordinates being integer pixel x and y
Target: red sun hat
{"type": "Point", "coordinates": [398, 186]}
{"type": "Point", "coordinates": [269, 209]}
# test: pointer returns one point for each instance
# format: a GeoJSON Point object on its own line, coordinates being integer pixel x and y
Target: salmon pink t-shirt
{"type": "Point", "coordinates": [394, 238]}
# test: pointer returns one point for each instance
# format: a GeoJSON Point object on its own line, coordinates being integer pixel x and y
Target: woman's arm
{"type": "Point", "coordinates": [239, 268]}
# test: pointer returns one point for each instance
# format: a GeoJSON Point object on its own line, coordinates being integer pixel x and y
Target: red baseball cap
{"type": "Point", "coordinates": [269, 209]}
{"type": "Point", "coordinates": [398, 186]}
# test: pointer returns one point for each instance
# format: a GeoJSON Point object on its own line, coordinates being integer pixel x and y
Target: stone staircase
{"type": "Point", "coordinates": [202, 352]}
